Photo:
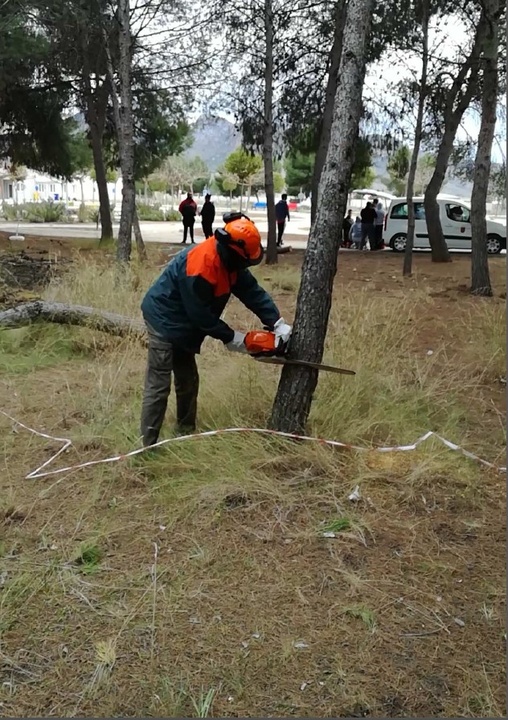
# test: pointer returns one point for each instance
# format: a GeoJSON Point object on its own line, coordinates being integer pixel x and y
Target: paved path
{"type": "Point", "coordinates": [297, 230]}
{"type": "Point", "coordinates": [168, 232]}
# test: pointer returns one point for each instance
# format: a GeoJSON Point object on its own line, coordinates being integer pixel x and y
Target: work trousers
{"type": "Point", "coordinates": [367, 232]}
{"type": "Point", "coordinates": [165, 358]}
{"type": "Point", "coordinates": [378, 237]}
{"type": "Point", "coordinates": [281, 226]}
{"type": "Point", "coordinates": [188, 226]}
{"type": "Point", "coordinates": [207, 228]}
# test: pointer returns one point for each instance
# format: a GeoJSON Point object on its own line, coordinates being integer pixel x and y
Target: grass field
{"type": "Point", "coordinates": [200, 581]}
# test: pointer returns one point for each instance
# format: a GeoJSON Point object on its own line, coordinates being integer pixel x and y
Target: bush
{"type": "Point", "coordinates": [156, 213]}
{"type": "Point", "coordinates": [149, 212]}
{"type": "Point", "coordinates": [87, 213]}
{"type": "Point", "coordinates": [10, 212]}
{"type": "Point", "coordinates": [45, 212]}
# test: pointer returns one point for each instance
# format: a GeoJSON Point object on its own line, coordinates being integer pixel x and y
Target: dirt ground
{"type": "Point", "coordinates": [201, 583]}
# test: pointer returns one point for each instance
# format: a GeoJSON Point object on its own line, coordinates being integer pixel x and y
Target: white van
{"type": "Point", "coordinates": [455, 221]}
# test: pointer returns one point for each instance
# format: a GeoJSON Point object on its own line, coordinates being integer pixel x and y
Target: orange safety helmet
{"type": "Point", "coordinates": [241, 235]}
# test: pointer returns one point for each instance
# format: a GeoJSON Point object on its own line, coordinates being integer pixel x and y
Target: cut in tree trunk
{"type": "Point", "coordinates": [459, 98]}
{"type": "Point", "coordinates": [271, 243]}
{"type": "Point", "coordinates": [480, 276]}
{"type": "Point", "coordinates": [62, 314]}
{"type": "Point", "coordinates": [296, 387]}
{"type": "Point", "coordinates": [422, 94]}
{"type": "Point", "coordinates": [331, 90]}
{"type": "Point", "coordinates": [140, 245]}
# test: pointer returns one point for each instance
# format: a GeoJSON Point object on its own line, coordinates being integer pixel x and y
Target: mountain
{"type": "Point", "coordinates": [214, 138]}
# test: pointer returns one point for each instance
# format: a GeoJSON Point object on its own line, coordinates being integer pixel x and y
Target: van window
{"type": "Point", "coordinates": [458, 213]}
{"type": "Point", "coordinates": [399, 212]}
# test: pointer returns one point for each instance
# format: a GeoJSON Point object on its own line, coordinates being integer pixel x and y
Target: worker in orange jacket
{"type": "Point", "coordinates": [185, 305]}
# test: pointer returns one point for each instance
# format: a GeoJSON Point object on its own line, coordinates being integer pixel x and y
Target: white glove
{"type": "Point", "coordinates": [237, 344]}
{"type": "Point", "coordinates": [282, 330]}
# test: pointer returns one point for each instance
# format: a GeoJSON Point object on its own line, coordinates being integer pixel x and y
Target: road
{"type": "Point", "coordinates": [170, 232]}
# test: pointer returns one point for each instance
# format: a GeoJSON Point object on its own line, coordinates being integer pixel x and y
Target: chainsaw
{"type": "Point", "coordinates": [264, 346]}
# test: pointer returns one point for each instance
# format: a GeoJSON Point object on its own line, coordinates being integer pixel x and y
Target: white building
{"type": "Point", "coordinates": [38, 187]}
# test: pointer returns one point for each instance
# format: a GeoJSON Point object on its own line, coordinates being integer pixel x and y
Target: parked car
{"type": "Point", "coordinates": [455, 220]}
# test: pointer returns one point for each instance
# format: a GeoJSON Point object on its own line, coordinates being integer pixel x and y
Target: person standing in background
{"type": "Point", "coordinates": [347, 223]}
{"type": "Point", "coordinates": [378, 225]}
{"type": "Point", "coordinates": [207, 216]}
{"type": "Point", "coordinates": [355, 233]}
{"type": "Point", "coordinates": [188, 210]}
{"type": "Point", "coordinates": [281, 215]}
{"type": "Point", "coordinates": [368, 216]}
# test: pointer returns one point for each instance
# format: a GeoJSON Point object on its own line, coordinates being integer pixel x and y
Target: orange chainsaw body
{"type": "Point", "coordinates": [263, 342]}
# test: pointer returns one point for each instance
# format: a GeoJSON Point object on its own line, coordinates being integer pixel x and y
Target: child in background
{"type": "Point", "coordinates": [355, 234]}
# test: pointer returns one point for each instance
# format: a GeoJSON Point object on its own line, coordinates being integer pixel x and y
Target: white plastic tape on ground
{"type": "Point", "coordinates": [66, 444]}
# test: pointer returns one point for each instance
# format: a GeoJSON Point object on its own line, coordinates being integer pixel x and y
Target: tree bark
{"type": "Point", "coordinates": [296, 387]}
{"type": "Point", "coordinates": [125, 128]}
{"type": "Point", "coordinates": [331, 90]}
{"type": "Point", "coordinates": [422, 95]}
{"type": "Point", "coordinates": [459, 98]}
{"type": "Point", "coordinates": [480, 276]}
{"type": "Point", "coordinates": [271, 243]}
{"type": "Point", "coordinates": [62, 314]}
{"type": "Point", "coordinates": [96, 103]}
{"type": "Point", "coordinates": [96, 128]}
{"type": "Point", "coordinates": [140, 245]}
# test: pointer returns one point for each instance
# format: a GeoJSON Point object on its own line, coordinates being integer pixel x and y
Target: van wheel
{"type": "Point", "coordinates": [494, 244]}
{"type": "Point", "coordinates": [398, 242]}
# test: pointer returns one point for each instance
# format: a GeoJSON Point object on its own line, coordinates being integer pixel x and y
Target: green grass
{"type": "Point", "coordinates": [30, 348]}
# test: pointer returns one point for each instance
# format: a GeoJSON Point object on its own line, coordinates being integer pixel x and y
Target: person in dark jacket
{"type": "Point", "coordinates": [281, 215]}
{"type": "Point", "coordinates": [369, 217]}
{"type": "Point", "coordinates": [207, 216]}
{"type": "Point", "coordinates": [188, 210]}
{"type": "Point", "coordinates": [185, 305]}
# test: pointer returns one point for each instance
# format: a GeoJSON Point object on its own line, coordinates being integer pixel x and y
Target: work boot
{"type": "Point", "coordinates": [184, 430]}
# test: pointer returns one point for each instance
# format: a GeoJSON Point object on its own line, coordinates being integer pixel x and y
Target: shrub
{"type": "Point", "coordinates": [149, 212]}
{"type": "Point", "coordinates": [87, 213]}
{"type": "Point", "coordinates": [10, 212]}
{"type": "Point", "coordinates": [173, 215]}
{"type": "Point", "coordinates": [44, 212]}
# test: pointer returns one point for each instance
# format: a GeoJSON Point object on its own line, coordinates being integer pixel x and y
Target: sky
{"type": "Point", "coordinates": [446, 41]}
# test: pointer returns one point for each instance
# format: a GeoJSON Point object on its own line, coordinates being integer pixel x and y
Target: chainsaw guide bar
{"type": "Point", "coordinates": [304, 363]}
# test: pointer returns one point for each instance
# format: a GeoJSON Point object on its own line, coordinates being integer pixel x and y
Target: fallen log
{"type": "Point", "coordinates": [42, 311]}
{"type": "Point", "coordinates": [284, 249]}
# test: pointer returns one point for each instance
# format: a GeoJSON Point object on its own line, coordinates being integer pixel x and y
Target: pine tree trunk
{"type": "Point", "coordinates": [140, 245]}
{"type": "Point", "coordinates": [331, 90]}
{"type": "Point", "coordinates": [408, 254]}
{"type": "Point", "coordinates": [124, 127]}
{"type": "Point", "coordinates": [126, 132]}
{"type": "Point", "coordinates": [94, 124]}
{"type": "Point", "coordinates": [480, 276]}
{"type": "Point", "coordinates": [296, 388]}
{"type": "Point", "coordinates": [459, 98]}
{"type": "Point", "coordinates": [271, 245]}
{"type": "Point", "coordinates": [95, 101]}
